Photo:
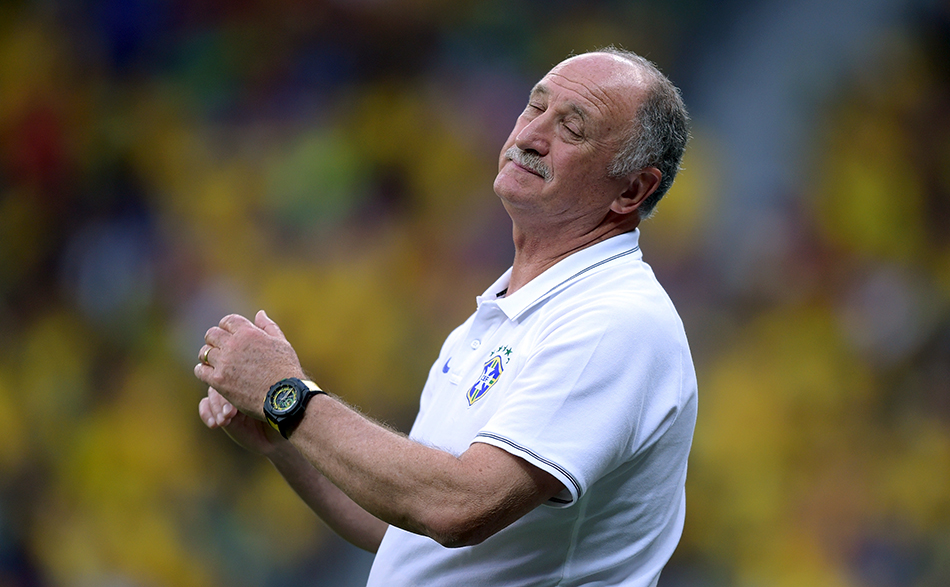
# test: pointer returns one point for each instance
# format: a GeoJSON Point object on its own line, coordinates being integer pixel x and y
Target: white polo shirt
{"type": "Point", "coordinates": [584, 372]}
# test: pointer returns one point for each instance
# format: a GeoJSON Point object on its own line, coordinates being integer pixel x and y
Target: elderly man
{"type": "Point", "coordinates": [552, 438]}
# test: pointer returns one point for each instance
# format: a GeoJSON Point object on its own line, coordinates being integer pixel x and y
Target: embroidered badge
{"type": "Point", "coordinates": [490, 373]}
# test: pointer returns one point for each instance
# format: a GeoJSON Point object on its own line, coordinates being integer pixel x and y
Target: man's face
{"type": "Point", "coordinates": [555, 163]}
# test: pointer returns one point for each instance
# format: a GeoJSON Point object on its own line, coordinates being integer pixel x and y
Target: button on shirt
{"type": "Point", "coordinates": [585, 372]}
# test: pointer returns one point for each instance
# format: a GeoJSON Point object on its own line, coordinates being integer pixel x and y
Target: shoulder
{"type": "Point", "coordinates": [621, 297]}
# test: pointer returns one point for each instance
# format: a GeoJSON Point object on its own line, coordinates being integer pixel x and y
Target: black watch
{"type": "Point", "coordinates": [286, 401]}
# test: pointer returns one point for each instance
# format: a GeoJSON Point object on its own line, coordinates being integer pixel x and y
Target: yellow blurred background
{"type": "Point", "coordinates": [163, 163]}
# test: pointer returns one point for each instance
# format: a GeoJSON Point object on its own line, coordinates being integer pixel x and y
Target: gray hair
{"type": "Point", "coordinates": [659, 134]}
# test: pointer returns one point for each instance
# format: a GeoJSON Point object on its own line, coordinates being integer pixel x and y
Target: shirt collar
{"type": "Point", "coordinates": [561, 273]}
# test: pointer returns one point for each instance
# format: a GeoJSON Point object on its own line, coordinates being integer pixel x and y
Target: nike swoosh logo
{"type": "Point", "coordinates": [445, 368]}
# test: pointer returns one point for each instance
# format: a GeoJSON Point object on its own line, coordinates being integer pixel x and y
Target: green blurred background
{"type": "Point", "coordinates": [163, 163]}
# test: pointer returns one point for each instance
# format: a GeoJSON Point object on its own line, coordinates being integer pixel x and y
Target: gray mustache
{"type": "Point", "coordinates": [529, 160]}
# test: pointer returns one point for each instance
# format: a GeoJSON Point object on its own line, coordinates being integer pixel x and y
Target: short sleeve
{"type": "Point", "coordinates": [591, 394]}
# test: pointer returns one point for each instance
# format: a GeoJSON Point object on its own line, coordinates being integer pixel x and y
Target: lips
{"type": "Point", "coordinates": [524, 168]}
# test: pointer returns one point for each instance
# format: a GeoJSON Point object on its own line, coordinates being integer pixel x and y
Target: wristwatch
{"type": "Point", "coordinates": [285, 403]}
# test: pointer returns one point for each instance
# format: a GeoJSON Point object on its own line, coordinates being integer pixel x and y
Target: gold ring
{"type": "Point", "coordinates": [204, 356]}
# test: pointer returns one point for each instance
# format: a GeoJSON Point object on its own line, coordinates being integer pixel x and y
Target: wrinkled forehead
{"type": "Point", "coordinates": [610, 82]}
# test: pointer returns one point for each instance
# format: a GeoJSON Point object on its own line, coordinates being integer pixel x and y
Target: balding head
{"type": "Point", "coordinates": [659, 131]}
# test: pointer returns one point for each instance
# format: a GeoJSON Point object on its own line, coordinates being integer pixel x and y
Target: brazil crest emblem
{"type": "Point", "coordinates": [490, 373]}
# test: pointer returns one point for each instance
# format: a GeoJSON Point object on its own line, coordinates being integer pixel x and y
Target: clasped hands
{"type": "Point", "coordinates": [239, 362]}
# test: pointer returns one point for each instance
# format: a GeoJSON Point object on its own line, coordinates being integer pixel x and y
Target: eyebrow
{"type": "Point", "coordinates": [541, 90]}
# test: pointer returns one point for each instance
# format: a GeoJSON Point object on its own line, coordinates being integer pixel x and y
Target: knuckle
{"type": "Point", "coordinates": [230, 319]}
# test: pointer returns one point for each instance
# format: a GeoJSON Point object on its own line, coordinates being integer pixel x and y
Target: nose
{"type": "Point", "coordinates": [534, 136]}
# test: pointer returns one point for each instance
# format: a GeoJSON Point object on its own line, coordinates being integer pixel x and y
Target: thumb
{"type": "Point", "coordinates": [263, 321]}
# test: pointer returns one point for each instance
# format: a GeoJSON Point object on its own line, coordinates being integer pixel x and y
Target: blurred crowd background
{"type": "Point", "coordinates": [166, 162]}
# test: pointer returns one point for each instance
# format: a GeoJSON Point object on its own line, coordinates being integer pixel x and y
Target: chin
{"type": "Point", "coordinates": [506, 190]}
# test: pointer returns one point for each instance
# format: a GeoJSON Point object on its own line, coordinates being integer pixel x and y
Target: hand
{"type": "Point", "coordinates": [241, 360]}
{"type": "Point", "coordinates": [253, 435]}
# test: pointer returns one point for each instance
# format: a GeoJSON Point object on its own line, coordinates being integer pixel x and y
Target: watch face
{"type": "Point", "coordinates": [283, 398]}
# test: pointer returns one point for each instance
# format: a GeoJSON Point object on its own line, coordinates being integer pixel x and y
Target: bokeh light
{"type": "Point", "coordinates": [164, 163]}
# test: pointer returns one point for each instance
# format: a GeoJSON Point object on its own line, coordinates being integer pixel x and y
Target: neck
{"type": "Point", "coordinates": [537, 252]}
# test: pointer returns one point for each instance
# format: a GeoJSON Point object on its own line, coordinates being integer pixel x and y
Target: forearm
{"type": "Point", "coordinates": [454, 500]}
{"type": "Point", "coordinates": [340, 513]}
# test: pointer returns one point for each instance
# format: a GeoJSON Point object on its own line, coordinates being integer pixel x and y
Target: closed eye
{"type": "Point", "coordinates": [575, 131]}
{"type": "Point", "coordinates": [532, 111]}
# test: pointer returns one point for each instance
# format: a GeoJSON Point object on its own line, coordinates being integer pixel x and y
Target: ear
{"type": "Point", "coordinates": [640, 184]}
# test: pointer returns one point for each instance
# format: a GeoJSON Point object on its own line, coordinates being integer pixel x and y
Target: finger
{"type": "Point", "coordinates": [228, 414]}
{"type": "Point", "coordinates": [204, 373]}
{"type": "Point", "coordinates": [221, 408]}
{"type": "Point", "coordinates": [214, 395]}
{"type": "Point", "coordinates": [232, 322]}
{"type": "Point", "coordinates": [225, 412]}
{"type": "Point", "coordinates": [215, 411]}
{"type": "Point", "coordinates": [204, 354]}
{"type": "Point", "coordinates": [229, 410]}
{"type": "Point", "coordinates": [206, 413]}
{"type": "Point", "coordinates": [217, 336]}
{"type": "Point", "coordinates": [263, 321]}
